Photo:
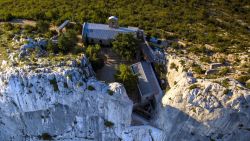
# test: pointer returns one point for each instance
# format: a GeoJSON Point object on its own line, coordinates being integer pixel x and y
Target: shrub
{"type": "Point", "coordinates": [197, 69]}
{"type": "Point", "coordinates": [51, 47]}
{"type": "Point", "coordinates": [243, 79]}
{"type": "Point", "coordinates": [45, 136]}
{"type": "Point", "coordinates": [70, 77]}
{"type": "Point", "coordinates": [108, 124]}
{"type": "Point", "coordinates": [194, 86]}
{"type": "Point", "coordinates": [225, 83]}
{"type": "Point", "coordinates": [175, 82]}
{"type": "Point", "coordinates": [224, 71]}
{"type": "Point", "coordinates": [54, 83]}
{"type": "Point", "coordinates": [173, 66]}
{"type": "Point", "coordinates": [67, 41]}
{"type": "Point", "coordinates": [80, 84]}
{"type": "Point", "coordinates": [226, 92]}
{"type": "Point", "coordinates": [125, 45]}
{"type": "Point", "coordinates": [205, 59]}
{"type": "Point", "coordinates": [42, 26]}
{"type": "Point", "coordinates": [182, 62]}
{"type": "Point", "coordinates": [65, 85]}
{"type": "Point", "coordinates": [110, 92]}
{"type": "Point", "coordinates": [91, 88]}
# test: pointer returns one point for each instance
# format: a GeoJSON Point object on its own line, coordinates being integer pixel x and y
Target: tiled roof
{"type": "Point", "coordinates": [103, 31]}
{"type": "Point", "coordinates": [147, 81]}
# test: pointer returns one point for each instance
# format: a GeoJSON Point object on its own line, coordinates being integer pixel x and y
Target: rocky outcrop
{"type": "Point", "coordinates": [63, 103]}
{"type": "Point", "coordinates": [199, 109]}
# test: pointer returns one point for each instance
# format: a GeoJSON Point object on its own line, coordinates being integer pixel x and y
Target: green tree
{"type": "Point", "coordinates": [93, 54]}
{"type": "Point", "coordinates": [125, 45]}
{"type": "Point", "coordinates": [42, 26]}
{"type": "Point", "coordinates": [125, 76]}
{"type": "Point", "coordinates": [67, 41]}
{"type": "Point", "coordinates": [51, 47]}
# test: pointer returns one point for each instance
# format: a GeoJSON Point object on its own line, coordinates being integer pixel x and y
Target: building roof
{"type": "Point", "coordinates": [113, 18]}
{"type": "Point", "coordinates": [147, 81]}
{"type": "Point", "coordinates": [103, 31]}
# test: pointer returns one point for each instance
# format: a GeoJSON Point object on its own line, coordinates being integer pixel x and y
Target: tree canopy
{"type": "Point", "coordinates": [126, 45]}
{"type": "Point", "coordinates": [125, 76]}
{"type": "Point", "coordinates": [67, 41]}
{"type": "Point", "coordinates": [92, 53]}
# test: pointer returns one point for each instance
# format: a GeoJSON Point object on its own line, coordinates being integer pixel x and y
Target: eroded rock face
{"type": "Point", "coordinates": [198, 109]}
{"type": "Point", "coordinates": [64, 103]}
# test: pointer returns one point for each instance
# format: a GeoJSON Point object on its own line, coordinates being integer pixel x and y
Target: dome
{"type": "Point", "coordinates": [113, 18]}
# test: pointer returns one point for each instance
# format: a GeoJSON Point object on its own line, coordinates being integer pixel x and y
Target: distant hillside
{"type": "Point", "coordinates": [195, 20]}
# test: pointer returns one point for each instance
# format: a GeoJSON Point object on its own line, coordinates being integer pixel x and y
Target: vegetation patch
{"type": "Point", "coordinates": [80, 84]}
{"type": "Point", "coordinates": [53, 82]}
{"type": "Point", "coordinates": [226, 92]}
{"type": "Point", "coordinates": [45, 136]}
{"type": "Point", "coordinates": [243, 79]}
{"type": "Point", "coordinates": [65, 84]}
{"type": "Point", "coordinates": [94, 57]}
{"type": "Point", "coordinates": [197, 69]}
{"type": "Point", "coordinates": [108, 124]}
{"type": "Point", "coordinates": [110, 92]}
{"type": "Point", "coordinates": [174, 66]}
{"type": "Point", "coordinates": [126, 45]}
{"type": "Point", "coordinates": [91, 88]}
{"type": "Point", "coordinates": [194, 86]}
{"type": "Point", "coordinates": [125, 76]}
{"type": "Point", "coordinates": [69, 76]}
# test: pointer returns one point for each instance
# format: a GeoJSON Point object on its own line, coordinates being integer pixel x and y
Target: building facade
{"type": "Point", "coordinates": [104, 34]}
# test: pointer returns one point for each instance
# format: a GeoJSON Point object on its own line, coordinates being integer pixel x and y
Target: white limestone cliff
{"type": "Point", "coordinates": [199, 109]}
{"type": "Point", "coordinates": [62, 103]}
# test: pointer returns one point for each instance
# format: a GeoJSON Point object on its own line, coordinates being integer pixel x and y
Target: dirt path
{"type": "Point", "coordinates": [22, 22]}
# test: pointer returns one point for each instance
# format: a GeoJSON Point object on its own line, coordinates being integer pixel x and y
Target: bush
{"type": "Point", "coordinates": [205, 59]}
{"type": "Point", "coordinates": [108, 124]}
{"type": "Point", "coordinates": [5, 16]}
{"type": "Point", "coordinates": [110, 92]}
{"type": "Point", "coordinates": [224, 71]}
{"type": "Point", "coordinates": [45, 136]}
{"type": "Point", "coordinates": [173, 66]}
{"type": "Point", "coordinates": [225, 83]}
{"type": "Point", "coordinates": [125, 45]}
{"type": "Point", "coordinates": [125, 76]}
{"type": "Point", "coordinates": [53, 82]}
{"type": "Point", "coordinates": [67, 41]}
{"type": "Point", "coordinates": [91, 88]}
{"type": "Point", "coordinates": [226, 92]}
{"type": "Point", "coordinates": [51, 47]}
{"type": "Point", "coordinates": [194, 86]}
{"type": "Point", "coordinates": [197, 69]}
{"type": "Point", "coordinates": [93, 54]}
{"type": "Point", "coordinates": [97, 63]}
{"type": "Point", "coordinates": [42, 26]}
{"type": "Point", "coordinates": [243, 79]}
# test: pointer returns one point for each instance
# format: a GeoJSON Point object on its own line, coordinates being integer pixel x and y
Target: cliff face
{"type": "Point", "coordinates": [64, 103]}
{"type": "Point", "coordinates": [199, 109]}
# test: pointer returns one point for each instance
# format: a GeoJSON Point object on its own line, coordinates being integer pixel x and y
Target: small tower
{"type": "Point", "coordinates": [113, 22]}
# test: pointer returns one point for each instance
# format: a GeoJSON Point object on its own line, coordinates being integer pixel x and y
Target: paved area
{"type": "Point", "coordinates": [112, 62]}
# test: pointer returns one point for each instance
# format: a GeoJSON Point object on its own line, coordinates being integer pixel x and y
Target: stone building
{"type": "Point", "coordinates": [148, 84]}
{"type": "Point", "coordinates": [103, 34]}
